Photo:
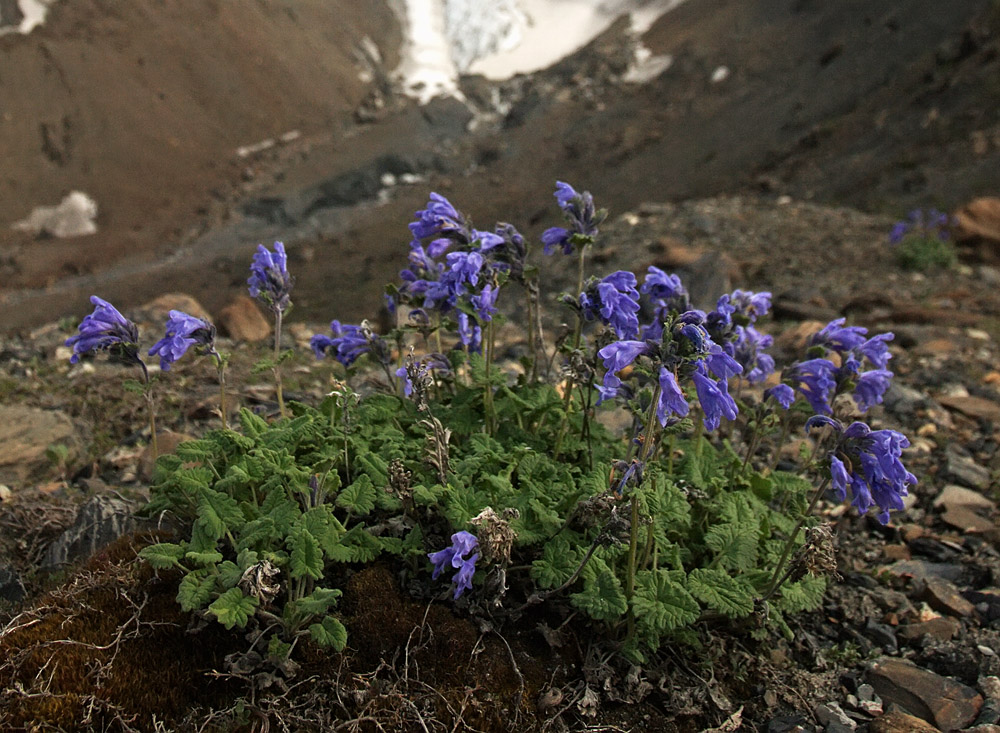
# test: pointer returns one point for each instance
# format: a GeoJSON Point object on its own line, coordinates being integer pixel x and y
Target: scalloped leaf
{"type": "Point", "coordinates": [735, 544]}
{"type": "Point", "coordinates": [662, 604]}
{"type": "Point", "coordinates": [195, 590]}
{"type": "Point", "coordinates": [721, 592]}
{"type": "Point", "coordinates": [329, 633]}
{"type": "Point", "coordinates": [359, 497]}
{"type": "Point", "coordinates": [163, 555]}
{"type": "Point", "coordinates": [233, 608]}
{"type": "Point", "coordinates": [602, 597]}
{"type": "Point", "coordinates": [306, 557]}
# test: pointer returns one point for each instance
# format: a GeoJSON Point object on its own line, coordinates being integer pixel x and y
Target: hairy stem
{"type": "Point", "coordinates": [777, 578]}
{"type": "Point", "coordinates": [276, 369]}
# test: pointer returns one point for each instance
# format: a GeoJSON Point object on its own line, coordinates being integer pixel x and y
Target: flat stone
{"type": "Point", "coordinates": [944, 597]}
{"type": "Point", "coordinates": [965, 470]}
{"type": "Point", "coordinates": [903, 400]}
{"type": "Point", "coordinates": [900, 722]}
{"type": "Point", "coordinates": [938, 700]}
{"type": "Point", "coordinates": [953, 495]}
{"type": "Point", "coordinates": [966, 520]}
{"type": "Point", "coordinates": [972, 406]}
{"type": "Point", "coordinates": [100, 521]}
{"type": "Point", "coordinates": [25, 434]}
{"type": "Point", "coordinates": [979, 219]}
{"type": "Point", "coordinates": [242, 320]}
{"type": "Point", "coordinates": [831, 712]}
{"type": "Point", "coordinates": [921, 569]}
{"type": "Point", "coordinates": [942, 629]}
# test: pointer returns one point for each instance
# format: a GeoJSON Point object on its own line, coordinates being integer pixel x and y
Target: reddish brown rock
{"type": "Point", "coordinates": [242, 320]}
{"type": "Point", "coordinates": [942, 629]}
{"type": "Point", "coordinates": [942, 596]}
{"type": "Point", "coordinates": [979, 219]}
{"type": "Point", "coordinates": [966, 520]}
{"type": "Point", "coordinates": [899, 722]}
{"type": "Point", "coordinates": [971, 406]}
{"type": "Point", "coordinates": [953, 496]}
{"type": "Point", "coordinates": [26, 433]}
{"type": "Point", "coordinates": [166, 443]}
{"type": "Point", "coordinates": [158, 310]}
{"type": "Point", "coordinates": [948, 704]}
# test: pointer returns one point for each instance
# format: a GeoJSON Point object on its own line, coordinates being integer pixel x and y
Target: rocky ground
{"type": "Point", "coordinates": [908, 640]}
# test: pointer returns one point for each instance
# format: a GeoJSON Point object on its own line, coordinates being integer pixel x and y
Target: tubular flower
{"type": "Point", "coordinates": [103, 330]}
{"type": "Point", "coordinates": [350, 342]}
{"type": "Point", "coordinates": [582, 216]}
{"type": "Point", "coordinates": [615, 301]}
{"type": "Point", "coordinates": [716, 402]}
{"type": "Point", "coordinates": [183, 332]}
{"type": "Point", "coordinates": [462, 544]}
{"type": "Point", "coordinates": [671, 398]}
{"type": "Point", "coordinates": [868, 463]}
{"type": "Point", "coordinates": [269, 280]}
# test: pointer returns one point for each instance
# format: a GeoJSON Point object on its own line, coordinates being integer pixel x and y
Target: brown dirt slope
{"type": "Point", "coordinates": [142, 104]}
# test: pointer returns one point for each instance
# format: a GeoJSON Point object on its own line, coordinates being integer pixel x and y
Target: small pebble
{"type": "Point", "coordinates": [986, 650]}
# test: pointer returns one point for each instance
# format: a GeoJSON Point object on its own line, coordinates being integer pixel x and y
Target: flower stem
{"type": "Point", "coordinates": [151, 409]}
{"type": "Point", "coordinates": [276, 369]}
{"type": "Point", "coordinates": [777, 578]}
{"type": "Point", "coordinates": [220, 368]}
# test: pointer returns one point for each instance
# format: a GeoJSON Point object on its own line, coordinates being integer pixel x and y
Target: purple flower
{"type": "Point", "coordinates": [838, 337]}
{"type": "Point", "coordinates": [583, 218]}
{"type": "Point", "coordinates": [615, 300]}
{"type": "Point", "coordinates": [350, 342]}
{"type": "Point", "coordinates": [183, 332]}
{"type": "Point", "coordinates": [465, 267]}
{"type": "Point", "coordinates": [868, 462]}
{"type": "Point", "coordinates": [816, 380]}
{"type": "Point", "coordinates": [876, 349]}
{"type": "Point", "coordinates": [462, 544]}
{"type": "Point", "coordinates": [619, 355]}
{"type": "Point", "coordinates": [485, 302]}
{"type": "Point", "coordinates": [748, 351]}
{"type": "Point", "coordinates": [716, 402]}
{"type": "Point", "coordinates": [469, 333]}
{"type": "Point", "coordinates": [932, 224]}
{"type": "Point", "coordinates": [105, 329]}
{"type": "Point", "coordinates": [671, 398]}
{"type": "Point", "coordinates": [870, 388]}
{"type": "Point", "coordinates": [661, 286]}
{"type": "Point", "coordinates": [557, 237]}
{"type": "Point", "coordinates": [782, 394]}
{"type": "Point", "coordinates": [269, 280]}
{"type": "Point", "coordinates": [440, 217]}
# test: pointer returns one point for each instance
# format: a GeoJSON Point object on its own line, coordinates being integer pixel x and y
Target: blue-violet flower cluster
{"type": "Point", "coordinates": [460, 557]}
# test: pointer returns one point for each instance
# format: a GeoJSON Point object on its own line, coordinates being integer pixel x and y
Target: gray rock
{"type": "Point", "coordinates": [11, 587]}
{"type": "Point", "coordinates": [830, 713]}
{"type": "Point", "coordinates": [902, 400]}
{"type": "Point", "coordinates": [964, 470]}
{"type": "Point", "coordinates": [100, 521]}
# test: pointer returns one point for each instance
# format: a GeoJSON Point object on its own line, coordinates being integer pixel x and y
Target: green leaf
{"type": "Point", "coordinates": [229, 574]}
{"type": "Point", "coordinates": [256, 532]}
{"type": "Point", "coordinates": [735, 544]}
{"type": "Point", "coordinates": [359, 497]}
{"type": "Point", "coordinates": [246, 558]}
{"type": "Point", "coordinates": [428, 495]}
{"type": "Point", "coordinates": [195, 589]}
{"type": "Point", "coordinates": [363, 547]}
{"type": "Point", "coordinates": [661, 604]}
{"type": "Point", "coordinates": [233, 608]}
{"type": "Point", "coordinates": [204, 558]}
{"type": "Point", "coordinates": [803, 595]}
{"type": "Point", "coordinates": [218, 513]}
{"type": "Point", "coordinates": [721, 592]}
{"type": "Point", "coordinates": [162, 556]}
{"type": "Point", "coordinates": [191, 451]}
{"type": "Point", "coordinates": [253, 425]}
{"type": "Point", "coordinates": [329, 633]}
{"type": "Point", "coordinates": [306, 556]}
{"type": "Point", "coordinates": [557, 564]}
{"type": "Point", "coordinates": [317, 602]}
{"type": "Point", "coordinates": [602, 597]}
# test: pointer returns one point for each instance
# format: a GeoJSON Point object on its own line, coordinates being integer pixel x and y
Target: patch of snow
{"type": "Point", "coordinates": [427, 70]}
{"type": "Point", "coordinates": [502, 38]}
{"type": "Point", "coordinates": [34, 12]}
{"type": "Point", "coordinates": [720, 74]}
{"type": "Point", "coordinates": [73, 217]}
{"type": "Point", "coordinates": [553, 29]}
{"type": "Point", "coordinates": [645, 67]}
